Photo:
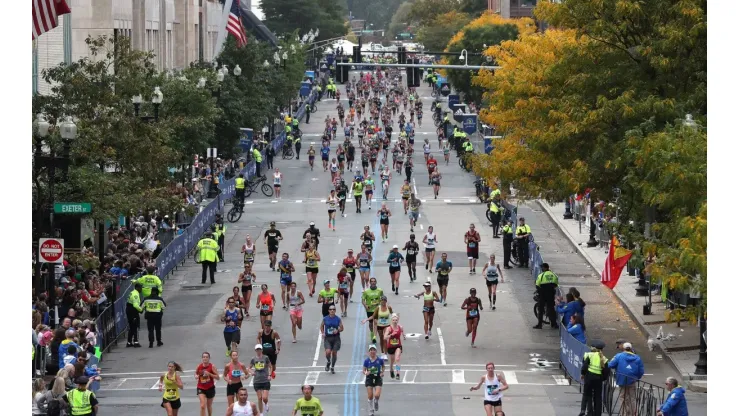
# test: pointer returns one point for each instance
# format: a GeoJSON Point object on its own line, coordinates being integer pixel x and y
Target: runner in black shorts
{"type": "Point", "coordinates": [412, 249]}
{"type": "Point", "coordinates": [373, 368]}
{"type": "Point", "coordinates": [350, 264]}
{"type": "Point", "coordinates": [234, 373]}
{"type": "Point", "coordinates": [272, 239]}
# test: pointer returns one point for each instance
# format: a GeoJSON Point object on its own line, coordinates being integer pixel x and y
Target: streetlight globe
{"type": "Point", "coordinates": [68, 129]}
{"type": "Point", "coordinates": [292, 49]}
{"type": "Point", "coordinates": [136, 99]}
{"type": "Point", "coordinates": [158, 96]}
{"type": "Point", "coordinates": [41, 126]}
{"type": "Point", "coordinates": [237, 70]}
{"type": "Point", "coordinates": [689, 121]}
{"type": "Point", "coordinates": [285, 56]}
{"type": "Point", "coordinates": [462, 57]}
{"type": "Point", "coordinates": [220, 76]}
{"type": "Point", "coordinates": [225, 69]}
{"type": "Point", "coordinates": [266, 64]}
{"type": "Point", "coordinates": [276, 58]}
{"type": "Point", "coordinates": [202, 82]}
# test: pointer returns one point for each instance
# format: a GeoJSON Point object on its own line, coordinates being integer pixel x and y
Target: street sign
{"type": "Point", "coordinates": [51, 250]}
{"type": "Point", "coordinates": [72, 207]}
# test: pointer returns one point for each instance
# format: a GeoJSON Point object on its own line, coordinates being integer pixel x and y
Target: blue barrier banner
{"type": "Point", "coordinates": [246, 137]}
{"type": "Point", "coordinates": [444, 88]}
{"type": "Point", "coordinates": [119, 310]}
{"type": "Point", "coordinates": [452, 99]}
{"type": "Point", "coordinates": [469, 123]}
{"type": "Point", "coordinates": [488, 144]}
{"type": "Point", "coordinates": [457, 112]}
{"type": "Point", "coordinates": [330, 59]}
{"type": "Point", "coordinates": [571, 354]}
{"type": "Point", "coordinates": [305, 89]}
{"type": "Point", "coordinates": [310, 74]}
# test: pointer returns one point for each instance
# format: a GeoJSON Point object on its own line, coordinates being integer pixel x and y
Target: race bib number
{"type": "Point", "coordinates": [395, 264]}
{"type": "Point", "coordinates": [259, 366]}
{"type": "Point", "coordinates": [411, 252]}
{"type": "Point", "coordinates": [343, 286]}
{"type": "Point", "coordinates": [170, 393]}
{"type": "Point", "coordinates": [394, 341]}
{"type": "Point", "coordinates": [265, 307]}
{"type": "Point", "coordinates": [472, 244]}
{"type": "Point", "coordinates": [383, 322]}
{"type": "Point", "coordinates": [473, 312]}
{"type": "Point", "coordinates": [368, 242]}
{"type": "Point", "coordinates": [331, 330]}
{"type": "Point", "coordinates": [490, 389]}
{"type": "Point", "coordinates": [236, 373]}
{"type": "Point", "coordinates": [267, 346]}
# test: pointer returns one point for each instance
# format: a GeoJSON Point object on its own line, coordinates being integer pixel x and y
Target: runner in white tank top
{"type": "Point", "coordinates": [430, 240]}
{"type": "Point", "coordinates": [242, 407]}
{"type": "Point", "coordinates": [277, 182]}
{"type": "Point", "coordinates": [495, 384]}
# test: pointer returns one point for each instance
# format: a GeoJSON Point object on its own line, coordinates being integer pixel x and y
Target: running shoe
{"type": "Point", "coordinates": [327, 367]}
{"type": "Point", "coordinates": [376, 404]}
{"type": "Point", "coordinates": [332, 370]}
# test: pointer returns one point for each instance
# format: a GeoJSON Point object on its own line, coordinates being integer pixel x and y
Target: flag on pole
{"type": "Point", "coordinates": [615, 262]}
{"type": "Point", "coordinates": [46, 15]}
{"type": "Point", "coordinates": [235, 26]}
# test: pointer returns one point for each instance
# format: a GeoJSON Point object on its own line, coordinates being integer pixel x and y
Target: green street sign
{"type": "Point", "coordinates": [72, 207]}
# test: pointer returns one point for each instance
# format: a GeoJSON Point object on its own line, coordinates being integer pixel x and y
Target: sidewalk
{"type": "Point", "coordinates": [683, 351]}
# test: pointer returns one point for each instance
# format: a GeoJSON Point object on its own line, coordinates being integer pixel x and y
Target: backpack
{"type": "Point", "coordinates": [56, 407]}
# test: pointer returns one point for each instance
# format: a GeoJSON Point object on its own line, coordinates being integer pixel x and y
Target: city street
{"type": "Point", "coordinates": [436, 373]}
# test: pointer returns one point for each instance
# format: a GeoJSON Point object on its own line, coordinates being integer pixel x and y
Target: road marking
{"type": "Point", "coordinates": [413, 180]}
{"type": "Point", "coordinates": [560, 380]}
{"type": "Point", "coordinates": [312, 377]}
{"type": "Point", "coordinates": [511, 377]}
{"type": "Point", "coordinates": [299, 201]}
{"type": "Point", "coordinates": [121, 383]}
{"type": "Point", "coordinates": [342, 385]}
{"type": "Point", "coordinates": [318, 349]}
{"type": "Point", "coordinates": [458, 377]}
{"type": "Point", "coordinates": [323, 201]}
{"type": "Point", "coordinates": [155, 386]}
{"type": "Point", "coordinates": [441, 346]}
{"type": "Point", "coordinates": [406, 378]}
{"type": "Point", "coordinates": [447, 200]}
{"type": "Point", "coordinates": [249, 202]}
{"type": "Point", "coordinates": [421, 226]}
{"type": "Point", "coordinates": [334, 263]}
{"type": "Point", "coordinates": [471, 200]}
{"type": "Point", "coordinates": [359, 377]}
{"type": "Point", "coordinates": [274, 201]}
{"type": "Point", "coordinates": [339, 241]}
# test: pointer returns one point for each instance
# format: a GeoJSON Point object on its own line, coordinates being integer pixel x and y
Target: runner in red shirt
{"type": "Point", "coordinates": [472, 239]}
{"type": "Point", "coordinates": [206, 374]}
{"type": "Point", "coordinates": [431, 165]}
{"type": "Point", "coordinates": [343, 278]}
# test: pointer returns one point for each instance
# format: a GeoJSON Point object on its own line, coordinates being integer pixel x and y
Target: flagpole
{"type": "Point", "coordinates": [222, 33]}
{"type": "Point", "coordinates": [67, 38]}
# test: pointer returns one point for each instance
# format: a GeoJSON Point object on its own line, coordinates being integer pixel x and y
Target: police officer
{"type": "Point", "coordinates": [257, 156]}
{"type": "Point", "coordinates": [547, 284]}
{"type": "Point", "coordinates": [133, 309]}
{"type": "Point", "coordinates": [495, 217]}
{"type": "Point", "coordinates": [82, 402]}
{"type": "Point", "coordinates": [508, 233]}
{"type": "Point", "coordinates": [220, 232]}
{"type": "Point", "coordinates": [295, 125]}
{"type": "Point", "coordinates": [241, 186]}
{"type": "Point", "coordinates": [592, 373]}
{"type": "Point", "coordinates": [149, 281]}
{"type": "Point", "coordinates": [208, 256]}
{"type": "Point", "coordinates": [522, 234]}
{"type": "Point", "coordinates": [308, 111]}
{"type": "Point", "coordinates": [297, 147]}
{"type": "Point", "coordinates": [153, 310]}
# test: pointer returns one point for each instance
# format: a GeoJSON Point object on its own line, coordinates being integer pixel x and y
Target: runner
{"type": "Point", "coordinates": [234, 373]}
{"type": "Point", "coordinates": [385, 180]}
{"type": "Point", "coordinates": [206, 375]}
{"type": "Point", "coordinates": [371, 298]}
{"type": "Point", "coordinates": [443, 269]}
{"type": "Point", "coordinates": [327, 297]}
{"type": "Point", "coordinates": [312, 268]}
{"type": "Point", "coordinates": [472, 306]}
{"type": "Point", "coordinates": [367, 237]}
{"type": "Point", "coordinates": [242, 406]}
{"type": "Point", "coordinates": [445, 149]}
{"type": "Point", "coordinates": [495, 384]}
{"type": "Point", "coordinates": [341, 155]}
{"type": "Point", "coordinates": [308, 405]}
{"type": "Point", "coordinates": [414, 205]}
{"type": "Point", "coordinates": [246, 278]}
{"type": "Point", "coordinates": [277, 179]}
{"type": "Point", "coordinates": [260, 367]}
{"type": "Point", "coordinates": [357, 188]}
{"type": "Point", "coordinates": [428, 309]}
{"type": "Point", "coordinates": [369, 189]}
{"type": "Point", "coordinates": [411, 248]}
{"type": "Point", "coordinates": [350, 154]}
{"type": "Point", "coordinates": [265, 304]}
{"type": "Point", "coordinates": [295, 304]}
{"type": "Point", "coordinates": [472, 239]}
{"type": "Point", "coordinates": [171, 384]}
{"type": "Point", "coordinates": [342, 192]}
{"type": "Point", "coordinates": [332, 200]}
{"type": "Point", "coordinates": [405, 195]}
{"type": "Point", "coordinates": [492, 271]}
{"type": "Point", "coordinates": [343, 289]}
{"type": "Point", "coordinates": [311, 156]}
{"type": "Point", "coordinates": [350, 264]}
{"type": "Point", "coordinates": [331, 329]}
{"type": "Point", "coordinates": [436, 180]}
{"type": "Point", "coordinates": [427, 151]}
{"type": "Point", "coordinates": [385, 214]}
{"type": "Point", "coordinates": [430, 241]}
{"type": "Point", "coordinates": [325, 149]}
{"type": "Point", "coordinates": [380, 320]}
{"type": "Point", "coordinates": [286, 268]}
{"type": "Point", "coordinates": [394, 260]}
{"type": "Point", "coordinates": [334, 169]}
{"type": "Point", "coordinates": [270, 340]}
{"type": "Point", "coordinates": [373, 368]}
{"type": "Point", "coordinates": [393, 335]}
{"type": "Point", "coordinates": [363, 260]}
{"type": "Point", "coordinates": [272, 237]}
{"type": "Point", "coordinates": [232, 334]}
{"type": "Point", "coordinates": [249, 249]}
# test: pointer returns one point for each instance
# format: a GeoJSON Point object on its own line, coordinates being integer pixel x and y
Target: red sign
{"type": "Point", "coordinates": [51, 250]}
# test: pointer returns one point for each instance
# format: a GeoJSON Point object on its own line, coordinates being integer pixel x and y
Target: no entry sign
{"type": "Point", "coordinates": [51, 250]}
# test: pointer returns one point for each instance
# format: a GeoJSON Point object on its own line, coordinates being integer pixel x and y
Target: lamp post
{"type": "Point", "coordinates": [592, 229]}
{"type": "Point", "coordinates": [157, 98]}
{"type": "Point", "coordinates": [464, 56]}
{"type": "Point", "coordinates": [136, 99]}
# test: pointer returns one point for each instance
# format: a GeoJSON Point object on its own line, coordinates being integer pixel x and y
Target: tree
{"type": "Point", "coordinates": [473, 7]}
{"type": "Point", "coordinates": [400, 20]}
{"type": "Point", "coordinates": [285, 16]}
{"type": "Point", "coordinates": [437, 34]}
{"type": "Point", "coordinates": [331, 21]}
{"type": "Point", "coordinates": [376, 12]}
{"type": "Point", "coordinates": [426, 11]}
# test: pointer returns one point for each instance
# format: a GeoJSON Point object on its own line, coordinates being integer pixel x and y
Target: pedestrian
{"type": "Point", "coordinates": [331, 328]}
{"type": "Point", "coordinates": [153, 310]}
{"type": "Point", "coordinates": [508, 234]}
{"type": "Point", "coordinates": [522, 234]}
{"type": "Point", "coordinates": [257, 156]}
{"type": "Point", "coordinates": [208, 255]}
{"type": "Point", "coordinates": [593, 373]}
{"type": "Point", "coordinates": [308, 111]}
{"type": "Point", "coordinates": [629, 369]}
{"type": "Point", "coordinates": [547, 284]}
{"type": "Point", "coordinates": [220, 231]}
{"type": "Point", "coordinates": [270, 156]}
{"type": "Point", "coordinates": [675, 404]}
{"type": "Point", "coordinates": [569, 308]}
{"type": "Point", "coordinates": [133, 309]}
{"type": "Point", "coordinates": [495, 384]}
{"type": "Point", "coordinates": [81, 401]}
{"type": "Point", "coordinates": [260, 368]}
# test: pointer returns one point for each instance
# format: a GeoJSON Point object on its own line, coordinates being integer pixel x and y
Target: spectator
{"type": "Point", "coordinates": [66, 323]}
{"type": "Point", "coordinates": [577, 295]}
{"type": "Point", "coordinates": [69, 340]}
{"type": "Point", "coordinates": [569, 308]}
{"type": "Point", "coordinates": [38, 404]}
{"type": "Point", "coordinates": [675, 405]}
{"type": "Point", "coordinates": [629, 369]}
{"type": "Point", "coordinates": [54, 399]}
{"type": "Point", "coordinates": [576, 328]}
{"type": "Point", "coordinates": [44, 335]}
{"type": "Point", "coordinates": [71, 356]}
{"type": "Point", "coordinates": [53, 364]}
{"type": "Point", "coordinates": [67, 373]}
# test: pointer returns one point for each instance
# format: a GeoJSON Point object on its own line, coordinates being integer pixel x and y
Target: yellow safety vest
{"type": "Point", "coordinates": [134, 300]}
{"type": "Point", "coordinates": [493, 207]}
{"type": "Point", "coordinates": [506, 230]}
{"type": "Point", "coordinates": [240, 183]}
{"type": "Point", "coordinates": [257, 156]}
{"type": "Point", "coordinates": [523, 229]}
{"type": "Point", "coordinates": [208, 248]}
{"type": "Point", "coordinates": [153, 305]}
{"type": "Point", "coordinates": [547, 278]}
{"type": "Point", "coordinates": [594, 362]}
{"type": "Point", "coordinates": [495, 192]}
{"type": "Point", "coordinates": [80, 402]}
{"type": "Point", "coordinates": [148, 282]}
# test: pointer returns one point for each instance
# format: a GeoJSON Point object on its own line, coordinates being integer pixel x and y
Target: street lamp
{"type": "Point", "coordinates": [41, 126]}
{"type": "Point", "coordinates": [202, 82]}
{"type": "Point", "coordinates": [265, 64]}
{"type": "Point", "coordinates": [276, 58]}
{"type": "Point", "coordinates": [225, 70]}
{"type": "Point", "coordinates": [136, 99]}
{"type": "Point", "coordinates": [237, 71]}
{"type": "Point", "coordinates": [157, 100]}
{"type": "Point", "coordinates": [464, 56]}
{"type": "Point", "coordinates": [68, 128]}
{"type": "Point", "coordinates": [220, 77]}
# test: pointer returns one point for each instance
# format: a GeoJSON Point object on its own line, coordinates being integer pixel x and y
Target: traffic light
{"type": "Point", "coordinates": [417, 74]}
{"type": "Point", "coordinates": [401, 54]}
{"type": "Point", "coordinates": [409, 74]}
{"type": "Point", "coordinates": [356, 55]}
{"type": "Point", "coordinates": [343, 72]}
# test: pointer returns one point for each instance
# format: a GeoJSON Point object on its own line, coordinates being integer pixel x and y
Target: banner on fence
{"type": "Point", "coordinates": [452, 99]}
{"type": "Point", "coordinates": [310, 74]}
{"type": "Point", "coordinates": [457, 112]}
{"type": "Point", "coordinates": [305, 89]}
{"type": "Point", "coordinates": [488, 144]}
{"type": "Point", "coordinates": [571, 353]}
{"type": "Point", "coordinates": [330, 59]}
{"type": "Point", "coordinates": [470, 123]}
{"type": "Point", "coordinates": [246, 137]}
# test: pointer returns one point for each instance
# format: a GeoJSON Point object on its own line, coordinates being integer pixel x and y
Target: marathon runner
{"type": "Point", "coordinates": [312, 268]}
{"type": "Point", "coordinates": [331, 329]}
{"type": "Point", "coordinates": [343, 280]}
{"type": "Point", "coordinates": [363, 260]}
{"type": "Point", "coordinates": [394, 260]}
{"type": "Point", "coordinates": [234, 373]}
{"type": "Point", "coordinates": [265, 304]}
{"type": "Point", "coordinates": [414, 205]}
{"type": "Point", "coordinates": [295, 305]}
{"type": "Point", "coordinates": [430, 241]}
{"type": "Point", "coordinates": [357, 188]}
{"type": "Point", "coordinates": [412, 249]}
{"type": "Point", "coordinates": [385, 214]}
{"type": "Point", "coordinates": [232, 334]}
{"type": "Point", "coordinates": [311, 156]}
{"type": "Point", "coordinates": [242, 406]}
{"type": "Point", "coordinates": [380, 320]}
{"type": "Point", "coordinates": [246, 278]}
{"type": "Point", "coordinates": [371, 298]}
{"type": "Point", "coordinates": [492, 271]}
{"type": "Point", "coordinates": [472, 306]}
{"type": "Point", "coordinates": [472, 240]}
{"type": "Point", "coordinates": [393, 335]}
{"type": "Point", "coordinates": [436, 181]}
{"type": "Point", "coordinates": [171, 384]}
{"type": "Point", "coordinates": [270, 340]}
{"type": "Point", "coordinates": [286, 276]}
{"type": "Point", "coordinates": [260, 367]}
{"type": "Point", "coordinates": [206, 375]}
{"type": "Point", "coordinates": [273, 236]}
{"type": "Point", "coordinates": [428, 309]}
{"type": "Point", "coordinates": [367, 237]}
{"type": "Point", "coordinates": [373, 368]}
{"type": "Point", "coordinates": [405, 195]}
{"type": "Point", "coordinates": [327, 297]}
{"type": "Point", "coordinates": [495, 384]}
{"type": "Point", "coordinates": [443, 269]}
{"type": "Point", "coordinates": [369, 189]}
{"type": "Point", "coordinates": [249, 249]}
{"type": "Point", "coordinates": [350, 264]}
{"type": "Point", "coordinates": [332, 200]}
{"type": "Point", "coordinates": [307, 405]}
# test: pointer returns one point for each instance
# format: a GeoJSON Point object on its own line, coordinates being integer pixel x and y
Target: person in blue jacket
{"type": "Point", "coordinates": [675, 405]}
{"type": "Point", "coordinates": [576, 328]}
{"type": "Point", "coordinates": [629, 369]}
{"type": "Point", "coordinates": [568, 308]}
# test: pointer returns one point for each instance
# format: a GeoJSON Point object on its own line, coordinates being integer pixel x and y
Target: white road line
{"type": "Point", "coordinates": [359, 377]}
{"type": "Point", "coordinates": [447, 200]}
{"type": "Point", "coordinates": [299, 201]}
{"type": "Point", "coordinates": [121, 383]}
{"type": "Point", "coordinates": [274, 201]}
{"type": "Point", "coordinates": [511, 377]}
{"type": "Point", "coordinates": [312, 377]}
{"type": "Point", "coordinates": [458, 377]}
{"type": "Point", "coordinates": [421, 226]}
{"type": "Point", "coordinates": [471, 200]}
{"type": "Point", "coordinates": [560, 380]}
{"type": "Point", "coordinates": [334, 263]}
{"type": "Point", "coordinates": [323, 201]}
{"type": "Point", "coordinates": [413, 180]}
{"type": "Point", "coordinates": [318, 349]}
{"type": "Point", "coordinates": [342, 384]}
{"type": "Point", "coordinates": [441, 346]}
{"type": "Point", "coordinates": [155, 386]}
{"type": "Point", "coordinates": [339, 241]}
{"type": "Point", "coordinates": [412, 374]}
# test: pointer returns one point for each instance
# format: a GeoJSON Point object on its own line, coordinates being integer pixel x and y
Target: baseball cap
{"type": "Point", "coordinates": [268, 323]}
{"type": "Point", "coordinates": [311, 223]}
{"type": "Point", "coordinates": [372, 347]}
{"type": "Point", "coordinates": [327, 281]}
{"type": "Point", "coordinates": [395, 246]}
{"type": "Point", "coordinates": [427, 284]}
{"type": "Point", "coordinates": [258, 347]}
{"type": "Point", "coordinates": [627, 346]}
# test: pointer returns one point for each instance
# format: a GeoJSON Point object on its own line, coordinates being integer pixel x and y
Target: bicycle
{"type": "Point", "coordinates": [288, 151]}
{"type": "Point", "coordinates": [465, 162]}
{"type": "Point", "coordinates": [265, 187]}
{"type": "Point", "coordinates": [314, 108]}
{"type": "Point", "coordinates": [235, 213]}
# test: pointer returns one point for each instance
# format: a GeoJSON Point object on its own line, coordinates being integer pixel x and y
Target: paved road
{"type": "Point", "coordinates": [436, 373]}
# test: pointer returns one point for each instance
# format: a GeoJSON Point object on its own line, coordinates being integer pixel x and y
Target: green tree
{"type": "Point", "coordinates": [285, 16]}
{"type": "Point", "coordinates": [377, 12]}
{"type": "Point", "coordinates": [437, 34]}
{"type": "Point", "coordinates": [426, 11]}
{"type": "Point", "coordinates": [331, 21]}
{"type": "Point", "coordinates": [474, 7]}
{"type": "Point", "coordinates": [400, 20]}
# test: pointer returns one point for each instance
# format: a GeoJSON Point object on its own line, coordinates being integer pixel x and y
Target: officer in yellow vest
{"type": "Point", "coordinates": [220, 234]}
{"type": "Point", "coordinates": [297, 142]}
{"type": "Point", "coordinates": [308, 112]}
{"type": "Point", "coordinates": [149, 281]}
{"type": "Point", "coordinates": [508, 233]}
{"type": "Point", "coordinates": [241, 186]}
{"type": "Point", "coordinates": [321, 94]}
{"type": "Point", "coordinates": [208, 256]}
{"type": "Point", "coordinates": [495, 194]}
{"type": "Point", "coordinates": [593, 371]}
{"type": "Point", "coordinates": [133, 309]}
{"type": "Point", "coordinates": [82, 402]}
{"type": "Point", "coordinates": [153, 310]}
{"type": "Point", "coordinates": [495, 217]}
{"type": "Point", "coordinates": [522, 234]}
{"type": "Point", "coordinates": [257, 156]}
{"type": "Point", "coordinates": [547, 285]}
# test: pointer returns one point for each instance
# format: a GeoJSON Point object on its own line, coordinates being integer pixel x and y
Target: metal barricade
{"type": "Point", "coordinates": [40, 358]}
{"type": "Point", "coordinates": [644, 398]}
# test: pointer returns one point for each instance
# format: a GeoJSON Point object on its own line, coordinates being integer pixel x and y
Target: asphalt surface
{"type": "Point", "coordinates": [436, 374]}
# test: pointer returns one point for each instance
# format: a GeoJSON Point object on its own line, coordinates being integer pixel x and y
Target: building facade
{"type": "Point", "coordinates": [512, 8]}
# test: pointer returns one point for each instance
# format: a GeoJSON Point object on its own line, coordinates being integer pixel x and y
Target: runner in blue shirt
{"type": "Point", "coordinates": [373, 368]}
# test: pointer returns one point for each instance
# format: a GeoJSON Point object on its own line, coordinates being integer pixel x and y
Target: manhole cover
{"type": "Point", "coordinates": [224, 271]}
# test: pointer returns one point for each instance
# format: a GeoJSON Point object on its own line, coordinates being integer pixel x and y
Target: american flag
{"type": "Point", "coordinates": [234, 25]}
{"type": "Point", "coordinates": [46, 15]}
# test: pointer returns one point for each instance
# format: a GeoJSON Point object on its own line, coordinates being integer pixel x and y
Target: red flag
{"type": "Point", "coordinates": [46, 15]}
{"type": "Point", "coordinates": [615, 262]}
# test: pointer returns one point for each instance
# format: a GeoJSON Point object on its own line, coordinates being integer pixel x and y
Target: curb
{"type": "Point", "coordinates": [697, 388]}
{"type": "Point", "coordinates": [635, 317]}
